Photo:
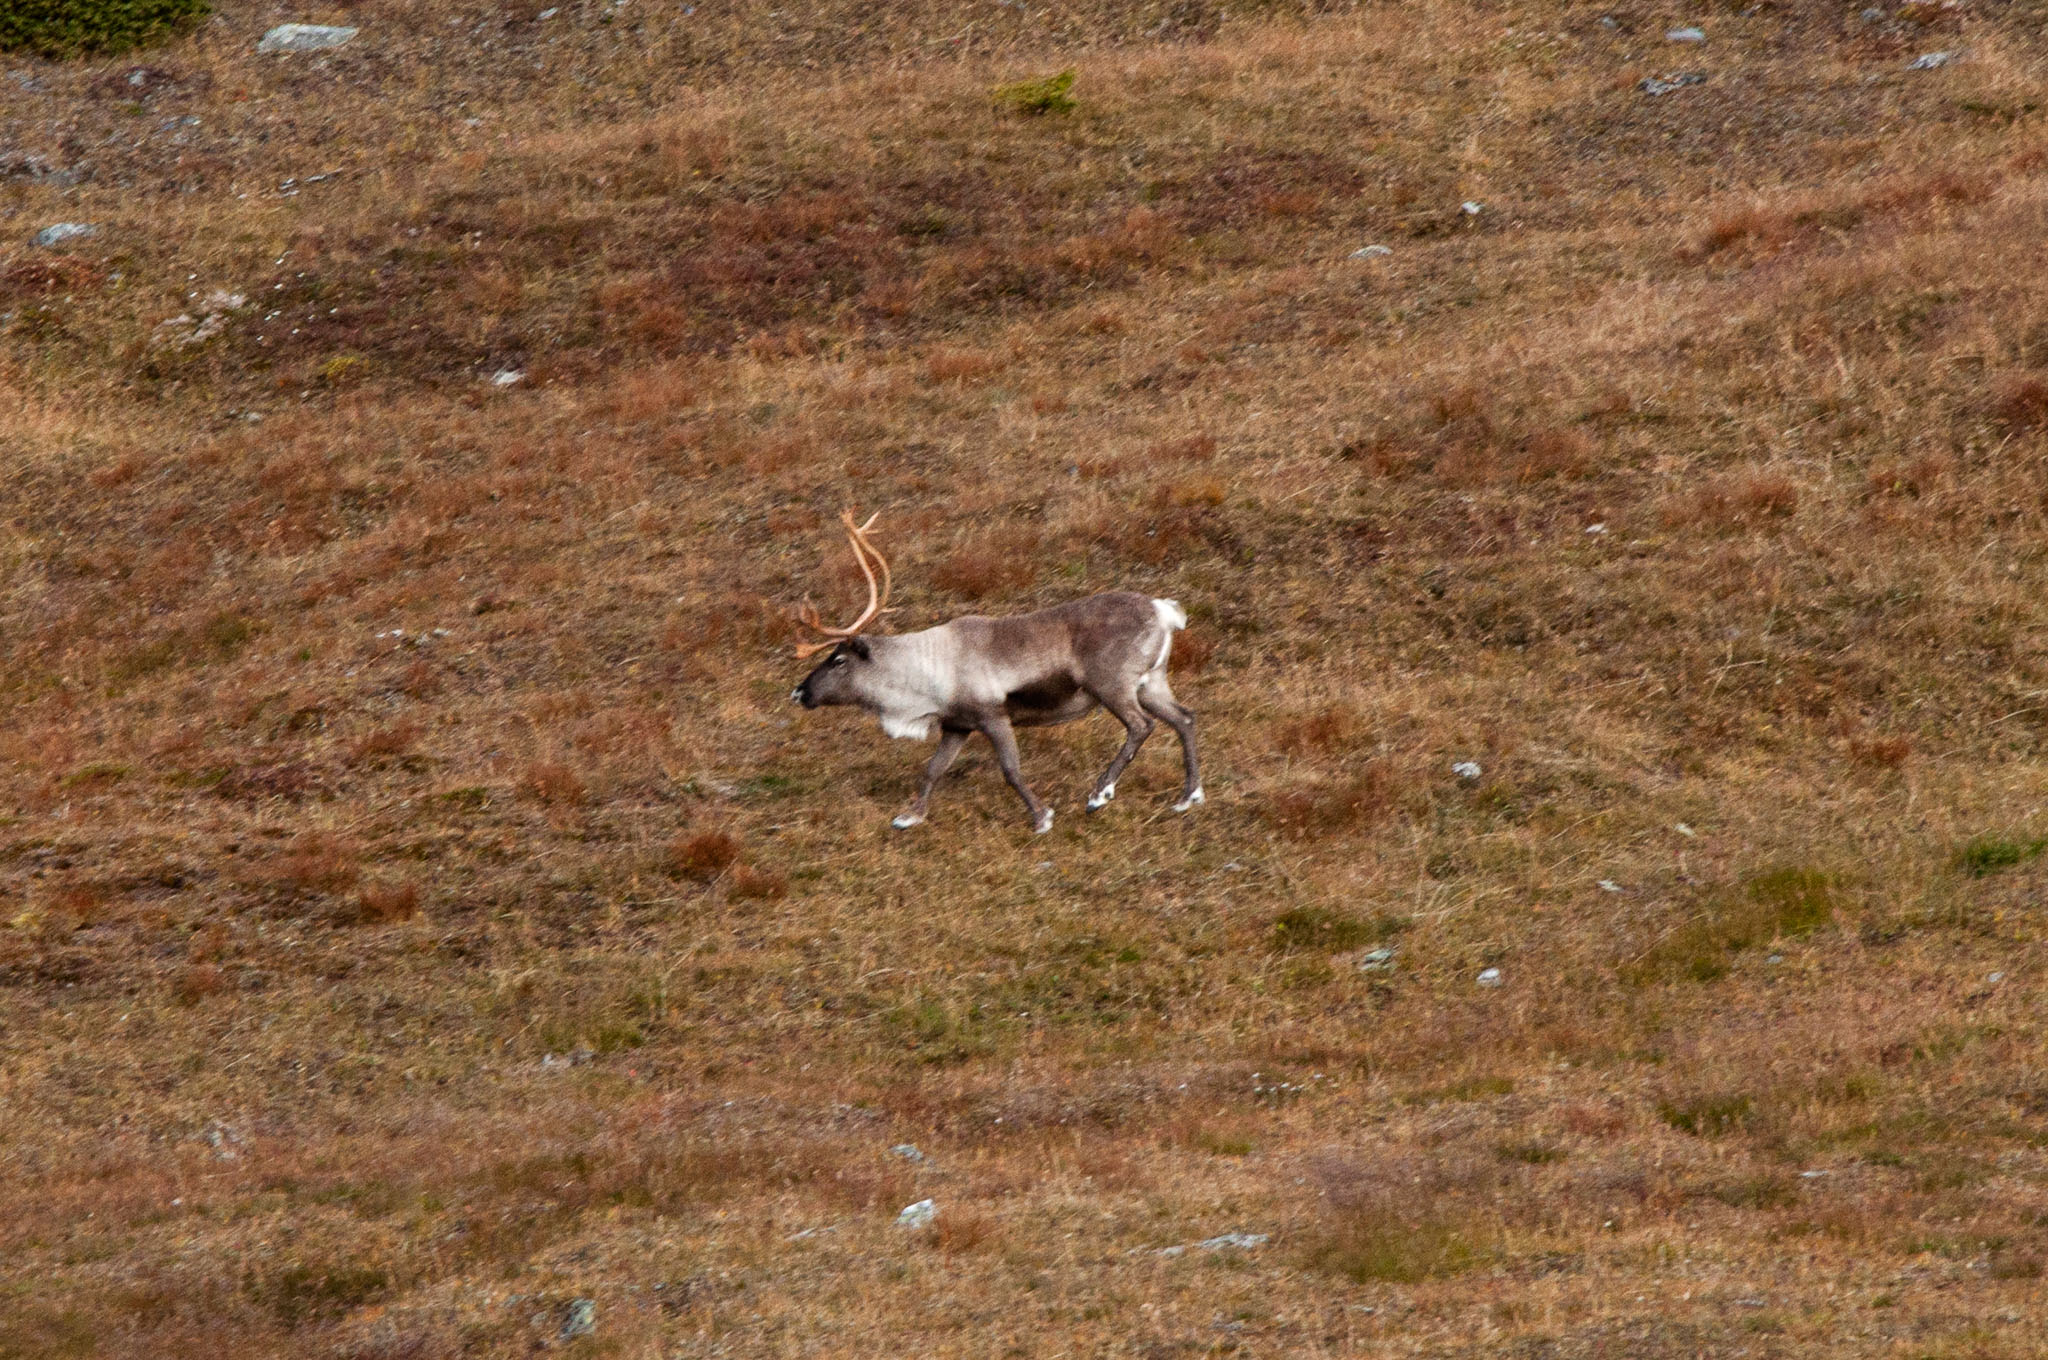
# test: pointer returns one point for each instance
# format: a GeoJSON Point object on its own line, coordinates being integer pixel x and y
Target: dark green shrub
{"type": "Point", "coordinates": [69, 28]}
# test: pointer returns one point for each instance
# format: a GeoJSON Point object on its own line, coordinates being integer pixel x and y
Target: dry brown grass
{"type": "Point", "coordinates": [420, 907]}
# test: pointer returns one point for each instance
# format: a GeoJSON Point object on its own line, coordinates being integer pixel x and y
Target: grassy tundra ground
{"type": "Point", "coordinates": [420, 908]}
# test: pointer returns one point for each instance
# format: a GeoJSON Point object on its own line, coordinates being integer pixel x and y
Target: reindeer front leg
{"type": "Point", "coordinates": [951, 740]}
{"type": "Point", "coordinates": [997, 730]}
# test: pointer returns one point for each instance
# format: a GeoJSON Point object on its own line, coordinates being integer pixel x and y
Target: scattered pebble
{"type": "Point", "coordinates": [908, 1152]}
{"type": "Point", "coordinates": [1371, 252]}
{"type": "Point", "coordinates": [304, 38]}
{"type": "Point", "coordinates": [1686, 35]}
{"type": "Point", "coordinates": [507, 377]}
{"type": "Point", "coordinates": [1467, 769]}
{"type": "Point", "coordinates": [1489, 977]}
{"type": "Point", "coordinates": [1682, 829]}
{"type": "Point", "coordinates": [918, 1215]}
{"type": "Point", "coordinates": [1379, 960]}
{"type": "Point", "coordinates": [1654, 85]}
{"type": "Point", "coordinates": [1873, 15]}
{"type": "Point", "coordinates": [1995, 977]}
{"type": "Point", "coordinates": [1609, 885]}
{"type": "Point", "coordinates": [1471, 208]}
{"type": "Point", "coordinates": [575, 1057]}
{"type": "Point", "coordinates": [547, 14]}
{"type": "Point", "coordinates": [1596, 528]}
{"type": "Point", "coordinates": [1814, 1175]}
{"type": "Point", "coordinates": [58, 233]}
{"type": "Point", "coordinates": [1775, 958]}
{"type": "Point", "coordinates": [1929, 61]}
{"type": "Point", "coordinates": [581, 1321]}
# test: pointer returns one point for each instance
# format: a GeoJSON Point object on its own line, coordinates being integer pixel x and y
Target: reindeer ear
{"type": "Point", "coordinates": [859, 647]}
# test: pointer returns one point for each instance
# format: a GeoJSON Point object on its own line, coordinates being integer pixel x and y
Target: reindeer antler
{"type": "Point", "coordinates": [878, 592]}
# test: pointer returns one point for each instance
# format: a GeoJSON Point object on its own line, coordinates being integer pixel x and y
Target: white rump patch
{"type": "Point", "coordinates": [1172, 618]}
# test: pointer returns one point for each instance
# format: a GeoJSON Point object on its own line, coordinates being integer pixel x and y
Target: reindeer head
{"type": "Point", "coordinates": [836, 679]}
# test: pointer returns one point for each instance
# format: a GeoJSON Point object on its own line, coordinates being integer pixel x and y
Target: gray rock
{"type": "Point", "coordinates": [1239, 1240]}
{"type": "Point", "coordinates": [1467, 769]}
{"type": "Point", "coordinates": [1686, 35]}
{"type": "Point", "coordinates": [1379, 960]}
{"type": "Point", "coordinates": [1489, 977]}
{"type": "Point", "coordinates": [1371, 252]}
{"type": "Point", "coordinates": [1873, 15]}
{"type": "Point", "coordinates": [58, 233]}
{"type": "Point", "coordinates": [581, 1321]}
{"type": "Point", "coordinates": [908, 1152]}
{"type": "Point", "coordinates": [918, 1215]}
{"type": "Point", "coordinates": [1653, 86]}
{"type": "Point", "coordinates": [305, 38]}
{"type": "Point", "coordinates": [1929, 61]}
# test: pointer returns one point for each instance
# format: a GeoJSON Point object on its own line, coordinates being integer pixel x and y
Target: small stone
{"type": "Point", "coordinates": [1371, 252]}
{"type": "Point", "coordinates": [1238, 1240]}
{"type": "Point", "coordinates": [1489, 977]}
{"type": "Point", "coordinates": [1596, 529]}
{"type": "Point", "coordinates": [1686, 35]}
{"type": "Point", "coordinates": [507, 377]}
{"type": "Point", "coordinates": [1775, 958]}
{"type": "Point", "coordinates": [1609, 885]}
{"type": "Point", "coordinates": [1471, 208]}
{"type": "Point", "coordinates": [1608, 21]}
{"type": "Point", "coordinates": [1873, 15]}
{"type": "Point", "coordinates": [1995, 977]}
{"type": "Point", "coordinates": [1682, 829]}
{"type": "Point", "coordinates": [918, 1215]}
{"type": "Point", "coordinates": [547, 14]}
{"type": "Point", "coordinates": [304, 38]}
{"type": "Point", "coordinates": [57, 233]}
{"type": "Point", "coordinates": [1654, 86]}
{"type": "Point", "coordinates": [1379, 960]}
{"type": "Point", "coordinates": [581, 1320]}
{"type": "Point", "coordinates": [1467, 769]}
{"type": "Point", "coordinates": [1929, 61]}
{"type": "Point", "coordinates": [908, 1152]}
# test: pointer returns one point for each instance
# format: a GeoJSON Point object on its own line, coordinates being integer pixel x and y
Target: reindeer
{"type": "Point", "coordinates": [992, 676]}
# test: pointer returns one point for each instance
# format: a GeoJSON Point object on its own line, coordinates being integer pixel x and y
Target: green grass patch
{"type": "Point", "coordinates": [1987, 855]}
{"type": "Point", "coordinates": [1323, 930]}
{"type": "Point", "coordinates": [1471, 1088]}
{"type": "Point", "coordinates": [70, 28]}
{"type": "Point", "coordinates": [1708, 1116]}
{"type": "Point", "coordinates": [1788, 903]}
{"type": "Point", "coordinates": [1379, 1247]}
{"type": "Point", "coordinates": [1034, 98]}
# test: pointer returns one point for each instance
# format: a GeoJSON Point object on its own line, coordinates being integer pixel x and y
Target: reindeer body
{"type": "Point", "coordinates": [990, 675]}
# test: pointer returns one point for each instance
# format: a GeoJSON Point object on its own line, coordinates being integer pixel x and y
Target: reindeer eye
{"type": "Point", "coordinates": [837, 661]}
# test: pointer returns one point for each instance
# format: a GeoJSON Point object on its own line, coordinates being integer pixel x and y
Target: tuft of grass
{"type": "Point", "coordinates": [1034, 98]}
{"type": "Point", "coordinates": [705, 855]}
{"type": "Point", "coordinates": [1987, 855]}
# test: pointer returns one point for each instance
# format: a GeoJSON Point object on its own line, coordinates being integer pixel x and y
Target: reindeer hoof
{"type": "Point", "coordinates": [1102, 797]}
{"type": "Point", "coordinates": [1197, 796]}
{"type": "Point", "coordinates": [907, 821]}
{"type": "Point", "coordinates": [1044, 822]}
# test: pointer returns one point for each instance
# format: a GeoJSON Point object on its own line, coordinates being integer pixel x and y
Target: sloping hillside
{"type": "Point", "coordinates": [427, 928]}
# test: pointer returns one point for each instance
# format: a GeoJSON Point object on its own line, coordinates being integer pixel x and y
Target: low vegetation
{"type": "Point", "coordinates": [1613, 536]}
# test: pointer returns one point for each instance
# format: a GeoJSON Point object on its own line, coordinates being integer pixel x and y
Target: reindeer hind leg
{"type": "Point", "coordinates": [1158, 700]}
